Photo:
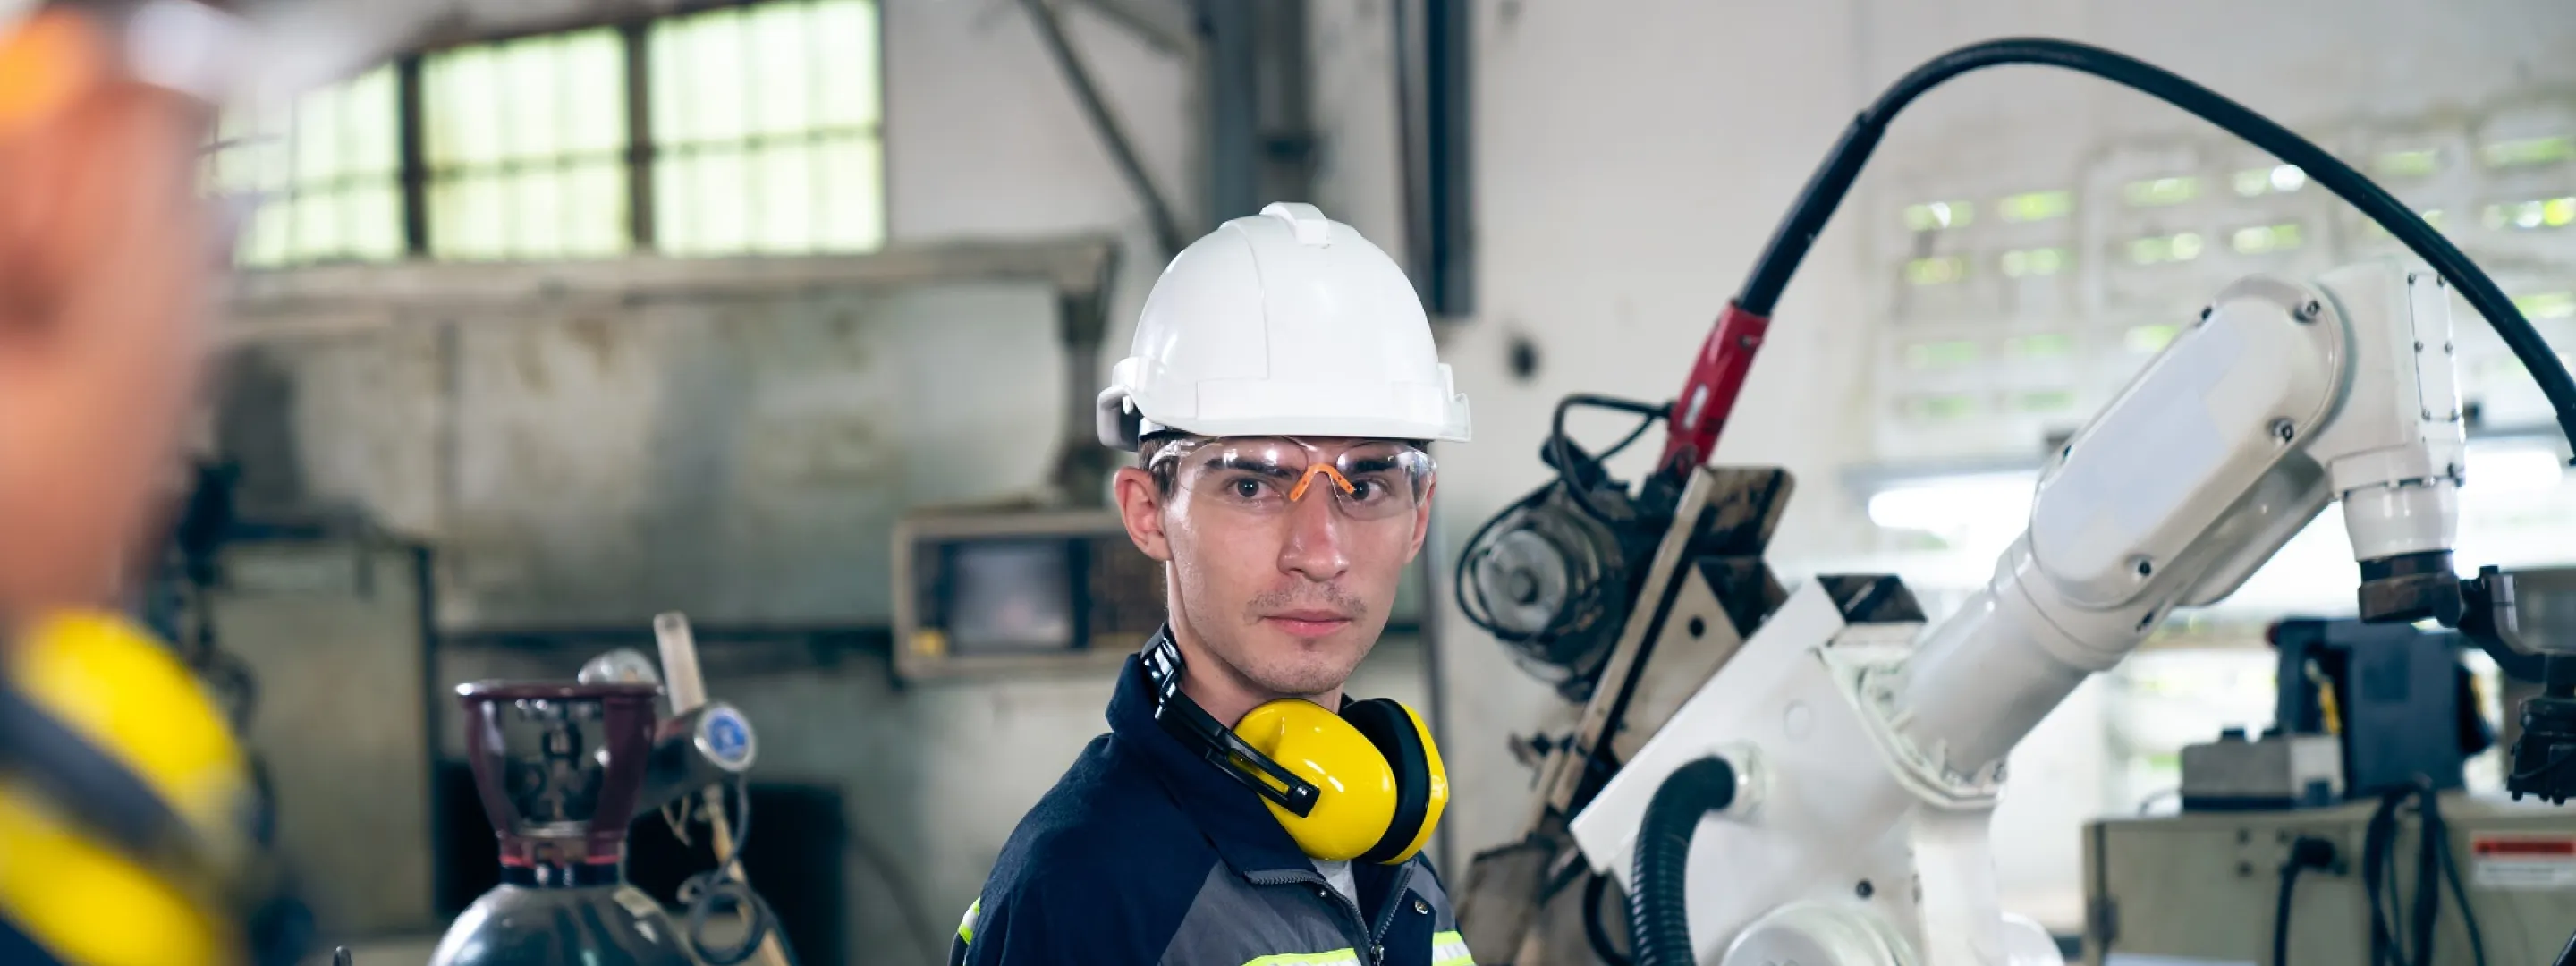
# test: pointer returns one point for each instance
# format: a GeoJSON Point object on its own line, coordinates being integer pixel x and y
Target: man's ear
{"type": "Point", "coordinates": [1140, 506]}
{"type": "Point", "coordinates": [1422, 519]}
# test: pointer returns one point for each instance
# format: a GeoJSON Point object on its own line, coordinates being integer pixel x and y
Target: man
{"type": "Point", "coordinates": [126, 835]}
{"type": "Point", "coordinates": [1282, 386]}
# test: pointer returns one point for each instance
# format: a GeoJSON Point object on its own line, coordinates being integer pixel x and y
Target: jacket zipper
{"type": "Point", "coordinates": [1394, 901]}
{"type": "Point", "coordinates": [1395, 897]}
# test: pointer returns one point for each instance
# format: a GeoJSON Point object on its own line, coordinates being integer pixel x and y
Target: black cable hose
{"type": "Point", "coordinates": [2281, 916]}
{"type": "Point", "coordinates": [2567, 956]}
{"type": "Point", "coordinates": [1658, 912]}
{"type": "Point", "coordinates": [2376, 841]}
{"type": "Point", "coordinates": [2438, 833]}
{"type": "Point", "coordinates": [2306, 853]}
{"type": "Point", "coordinates": [1561, 448]}
{"type": "Point", "coordinates": [1825, 189]}
{"type": "Point", "coordinates": [716, 889]}
{"type": "Point", "coordinates": [1593, 931]}
{"type": "Point", "coordinates": [2435, 862]}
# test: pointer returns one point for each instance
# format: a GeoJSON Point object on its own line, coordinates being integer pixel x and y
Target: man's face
{"type": "Point", "coordinates": [105, 261]}
{"type": "Point", "coordinates": [1284, 554]}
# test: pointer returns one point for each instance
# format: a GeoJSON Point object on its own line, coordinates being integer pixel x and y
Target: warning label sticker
{"type": "Point", "coordinates": [2531, 861]}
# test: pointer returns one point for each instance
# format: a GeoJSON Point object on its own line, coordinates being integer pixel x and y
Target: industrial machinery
{"type": "Point", "coordinates": [562, 769]}
{"type": "Point", "coordinates": [2295, 841]}
{"type": "Point", "coordinates": [1824, 796]}
{"type": "Point", "coordinates": [2298, 885]}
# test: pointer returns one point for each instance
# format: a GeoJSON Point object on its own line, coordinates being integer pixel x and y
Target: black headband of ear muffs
{"type": "Point", "coordinates": [1182, 718]}
{"type": "Point", "coordinates": [1388, 726]}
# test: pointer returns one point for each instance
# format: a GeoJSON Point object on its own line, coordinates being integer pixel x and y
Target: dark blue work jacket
{"type": "Point", "coordinates": [1144, 853]}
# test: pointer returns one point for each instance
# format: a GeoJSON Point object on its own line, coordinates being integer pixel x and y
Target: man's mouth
{"type": "Point", "coordinates": [1307, 623]}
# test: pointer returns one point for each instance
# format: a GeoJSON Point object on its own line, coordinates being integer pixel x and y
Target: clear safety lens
{"type": "Point", "coordinates": [1262, 476]}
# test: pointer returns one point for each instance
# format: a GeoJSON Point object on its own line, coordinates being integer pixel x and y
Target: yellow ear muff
{"type": "Point", "coordinates": [1358, 785]}
{"type": "Point", "coordinates": [1435, 790]}
{"type": "Point", "coordinates": [107, 682]}
{"type": "Point", "coordinates": [1421, 783]}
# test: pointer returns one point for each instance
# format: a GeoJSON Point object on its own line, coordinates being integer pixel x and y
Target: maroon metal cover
{"type": "Point", "coordinates": [625, 732]}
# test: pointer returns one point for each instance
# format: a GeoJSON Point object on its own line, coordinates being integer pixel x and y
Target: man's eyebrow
{"type": "Point", "coordinates": [1231, 461]}
{"type": "Point", "coordinates": [1374, 464]}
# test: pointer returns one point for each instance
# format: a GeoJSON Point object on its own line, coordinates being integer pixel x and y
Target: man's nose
{"type": "Point", "coordinates": [1313, 548]}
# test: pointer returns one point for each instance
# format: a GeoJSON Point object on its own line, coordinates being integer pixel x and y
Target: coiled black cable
{"type": "Point", "coordinates": [1659, 912]}
{"type": "Point", "coordinates": [722, 889]}
{"type": "Point", "coordinates": [1825, 189]}
{"type": "Point", "coordinates": [1584, 599]}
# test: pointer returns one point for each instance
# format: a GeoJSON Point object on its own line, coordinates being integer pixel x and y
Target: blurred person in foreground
{"type": "Point", "coordinates": [127, 825]}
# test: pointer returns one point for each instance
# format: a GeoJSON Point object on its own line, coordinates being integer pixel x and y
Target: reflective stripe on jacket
{"type": "Point", "coordinates": [1143, 853]}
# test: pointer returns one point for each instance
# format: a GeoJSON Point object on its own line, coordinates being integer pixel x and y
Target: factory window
{"type": "Point", "coordinates": [1938, 215]}
{"type": "Point", "coordinates": [1936, 271]}
{"type": "Point", "coordinates": [1940, 408]}
{"type": "Point", "coordinates": [2547, 305]}
{"type": "Point", "coordinates": [2046, 345]}
{"type": "Point", "coordinates": [2277, 179]}
{"type": "Point", "coordinates": [748, 129]}
{"type": "Point", "coordinates": [325, 175]}
{"type": "Point", "coordinates": [2156, 192]}
{"type": "Point", "coordinates": [2527, 215]}
{"type": "Point", "coordinates": [1940, 355]}
{"type": "Point", "coordinates": [2165, 248]}
{"type": "Point", "coordinates": [2263, 239]}
{"type": "Point", "coordinates": [2527, 151]}
{"type": "Point", "coordinates": [2409, 164]}
{"type": "Point", "coordinates": [765, 129]}
{"type": "Point", "coordinates": [526, 144]}
{"type": "Point", "coordinates": [2045, 401]}
{"type": "Point", "coordinates": [2023, 263]}
{"type": "Point", "coordinates": [2036, 205]}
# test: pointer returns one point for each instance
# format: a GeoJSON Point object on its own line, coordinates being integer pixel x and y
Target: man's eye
{"type": "Point", "coordinates": [1371, 489]}
{"type": "Point", "coordinates": [1245, 488]}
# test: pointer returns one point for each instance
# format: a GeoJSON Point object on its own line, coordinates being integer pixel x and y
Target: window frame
{"type": "Point", "coordinates": [415, 176]}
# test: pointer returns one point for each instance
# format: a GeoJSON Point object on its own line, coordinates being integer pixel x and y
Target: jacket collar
{"type": "Point", "coordinates": [1233, 818]}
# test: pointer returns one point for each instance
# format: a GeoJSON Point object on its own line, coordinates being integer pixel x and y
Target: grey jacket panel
{"type": "Point", "coordinates": [1234, 922]}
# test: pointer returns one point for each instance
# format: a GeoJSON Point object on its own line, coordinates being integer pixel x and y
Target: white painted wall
{"type": "Point", "coordinates": [983, 137]}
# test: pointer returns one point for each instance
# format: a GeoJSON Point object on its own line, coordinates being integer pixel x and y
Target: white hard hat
{"type": "Point", "coordinates": [1285, 323]}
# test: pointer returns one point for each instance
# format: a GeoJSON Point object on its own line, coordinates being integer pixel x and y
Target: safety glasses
{"type": "Point", "coordinates": [1266, 476]}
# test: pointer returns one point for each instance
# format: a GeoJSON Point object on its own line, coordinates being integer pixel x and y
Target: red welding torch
{"type": "Point", "coordinates": [1700, 412]}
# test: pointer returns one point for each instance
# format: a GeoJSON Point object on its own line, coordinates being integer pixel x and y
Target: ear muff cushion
{"type": "Point", "coordinates": [1392, 729]}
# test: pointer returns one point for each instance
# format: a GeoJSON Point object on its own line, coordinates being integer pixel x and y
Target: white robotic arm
{"type": "Point", "coordinates": [1867, 764]}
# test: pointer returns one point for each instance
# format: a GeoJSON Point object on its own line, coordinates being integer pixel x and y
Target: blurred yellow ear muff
{"type": "Point", "coordinates": [1380, 777]}
{"type": "Point", "coordinates": [106, 684]}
